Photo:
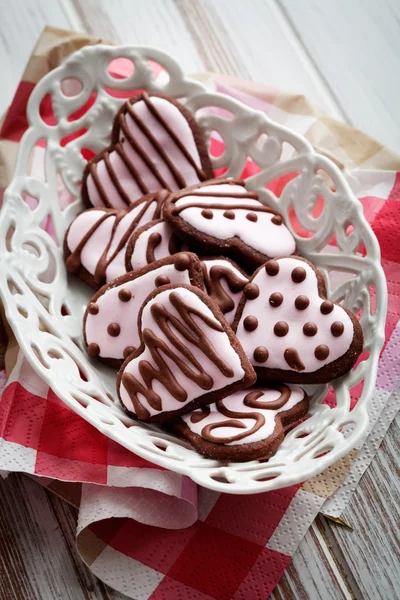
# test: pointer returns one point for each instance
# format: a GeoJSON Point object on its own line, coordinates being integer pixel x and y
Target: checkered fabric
{"type": "Point", "coordinates": [146, 531]}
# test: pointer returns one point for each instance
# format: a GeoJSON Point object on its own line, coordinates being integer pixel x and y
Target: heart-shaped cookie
{"type": "Point", "coordinates": [153, 241]}
{"type": "Point", "coordinates": [110, 325]}
{"type": "Point", "coordinates": [155, 143]}
{"type": "Point", "coordinates": [189, 356]}
{"type": "Point", "coordinates": [224, 282]}
{"type": "Point", "coordinates": [245, 425]}
{"type": "Point", "coordinates": [288, 328]}
{"type": "Point", "coordinates": [95, 242]}
{"type": "Point", "coordinates": [223, 216]}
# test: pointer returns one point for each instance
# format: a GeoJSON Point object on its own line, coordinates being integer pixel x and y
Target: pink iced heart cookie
{"type": "Point", "coordinates": [226, 218]}
{"type": "Point", "coordinates": [224, 281]}
{"type": "Point", "coordinates": [155, 143]}
{"type": "Point", "coordinates": [96, 241]}
{"type": "Point", "coordinates": [110, 324]}
{"type": "Point", "coordinates": [288, 328]}
{"type": "Point", "coordinates": [246, 425]}
{"type": "Point", "coordinates": [188, 357]}
{"type": "Point", "coordinates": [153, 241]}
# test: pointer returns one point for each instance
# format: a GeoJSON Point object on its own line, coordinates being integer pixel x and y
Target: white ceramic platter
{"type": "Point", "coordinates": [45, 307]}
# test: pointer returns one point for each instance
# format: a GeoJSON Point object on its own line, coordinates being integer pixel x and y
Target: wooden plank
{"type": "Point", "coordinates": [21, 22]}
{"type": "Point", "coordinates": [253, 41]}
{"type": "Point", "coordinates": [38, 558]}
{"type": "Point", "coordinates": [333, 561]}
{"type": "Point", "coordinates": [157, 23]}
{"type": "Point", "coordinates": [373, 553]}
{"type": "Point", "coordinates": [356, 46]}
{"type": "Point", "coordinates": [313, 573]}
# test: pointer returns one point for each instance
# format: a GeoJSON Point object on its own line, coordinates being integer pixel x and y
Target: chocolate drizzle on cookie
{"type": "Point", "coordinates": [293, 359]}
{"type": "Point", "coordinates": [213, 282]}
{"type": "Point", "coordinates": [199, 415]}
{"type": "Point", "coordinates": [174, 348]}
{"type": "Point", "coordinates": [131, 152]}
{"type": "Point", "coordinates": [149, 206]}
{"type": "Point", "coordinates": [203, 192]}
{"type": "Point", "coordinates": [153, 241]}
{"type": "Point", "coordinates": [251, 400]}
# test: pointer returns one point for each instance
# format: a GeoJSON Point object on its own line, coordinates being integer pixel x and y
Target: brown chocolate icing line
{"type": "Point", "coordinates": [189, 329]}
{"type": "Point", "coordinates": [154, 240]}
{"type": "Point", "coordinates": [139, 151]}
{"type": "Point", "coordinates": [215, 290]}
{"type": "Point", "coordinates": [233, 421]}
{"type": "Point", "coordinates": [251, 399]}
{"type": "Point", "coordinates": [114, 179]}
{"type": "Point", "coordinates": [178, 209]}
{"type": "Point", "coordinates": [158, 200]}
{"type": "Point", "coordinates": [104, 260]}
{"type": "Point", "coordinates": [73, 261]}
{"type": "Point", "coordinates": [131, 168]}
{"type": "Point", "coordinates": [120, 126]}
{"type": "Point", "coordinates": [293, 359]}
{"type": "Point", "coordinates": [198, 416]}
{"type": "Point", "coordinates": [98, 184]}
{"type": "Point", "coordinates": [244, 194]}
{"type": "Point", "coordinates": [199, 171]}
{"type": "Point", "coordinates": [131, 385]}
{"type": "Point", "coordinates": [180, 181]}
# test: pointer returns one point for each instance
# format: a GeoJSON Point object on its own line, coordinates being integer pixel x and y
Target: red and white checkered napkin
{"type": "Point", "coordinates": [153, 534]}
{"type": "Point", "coordinates": [146, 531]}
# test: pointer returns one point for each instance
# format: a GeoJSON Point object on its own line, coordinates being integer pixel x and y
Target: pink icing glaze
{"type": "Point", "coordinates": [113, 310]}
{"type": "Point", "coordinates": [263, 235]}
{"type": "Point", "coordinates": [219, 340]}
{"type": "Point", "coordinates": [97, 242]}
{"type": "Point", "coordinates": [128, 183]}
{"type": "Point", "coordinates": [81, 225]}
{"type": "Point", "coordinates": [178, 123]}
{"type": "Point", "coordinates": [235, 403]}
{"type": "Point", "coordinates": [117, 265]}
{"type": "Point", "coordinates": [268, 315]}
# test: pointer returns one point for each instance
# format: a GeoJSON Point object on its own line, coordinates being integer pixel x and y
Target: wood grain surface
{"type": "Point", "coordinates": [343, 55]}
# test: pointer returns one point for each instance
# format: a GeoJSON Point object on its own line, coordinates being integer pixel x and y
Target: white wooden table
{"type": "Point", "coordinates": [345, 56]}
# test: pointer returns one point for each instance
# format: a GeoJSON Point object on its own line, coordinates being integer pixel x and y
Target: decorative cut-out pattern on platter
{"type": "Point", "coordinates": [70, 111]}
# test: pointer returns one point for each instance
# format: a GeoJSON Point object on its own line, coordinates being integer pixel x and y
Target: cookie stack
{"type": "Point", "coordinates": [202, 304]}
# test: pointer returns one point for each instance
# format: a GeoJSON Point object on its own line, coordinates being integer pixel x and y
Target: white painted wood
{"type": "Point", "coordinates": [155, 23]}
{"type": "Point", "coordinates": [371, 551]}
{"type": "Point", "coordinates": [21, 22]}
{"type": "Point", "coordinates": [257, 37]}
{"type": "Point", "coordinates": [356, 47]}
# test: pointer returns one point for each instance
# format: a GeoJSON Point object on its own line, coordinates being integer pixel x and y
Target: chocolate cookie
{"type": "Point", "coordinates": [246, 425]}
{"type": "Point", "coordinates": [153, 241]}
{"type": "Point", "coordinates": [189, 356]}
{"type": "Point", "coordinates": [288, 328]}
{"type": "Point", "coordinates": [224, 281]}
{"type": "Point", "coordinates": [155, 143]}
{"type": "Point", "coordinates": [95, 242]}
{"type": "Point", "coordinates": [230, 220]}
{"type": "Point", "coordinates": [110, 324]}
